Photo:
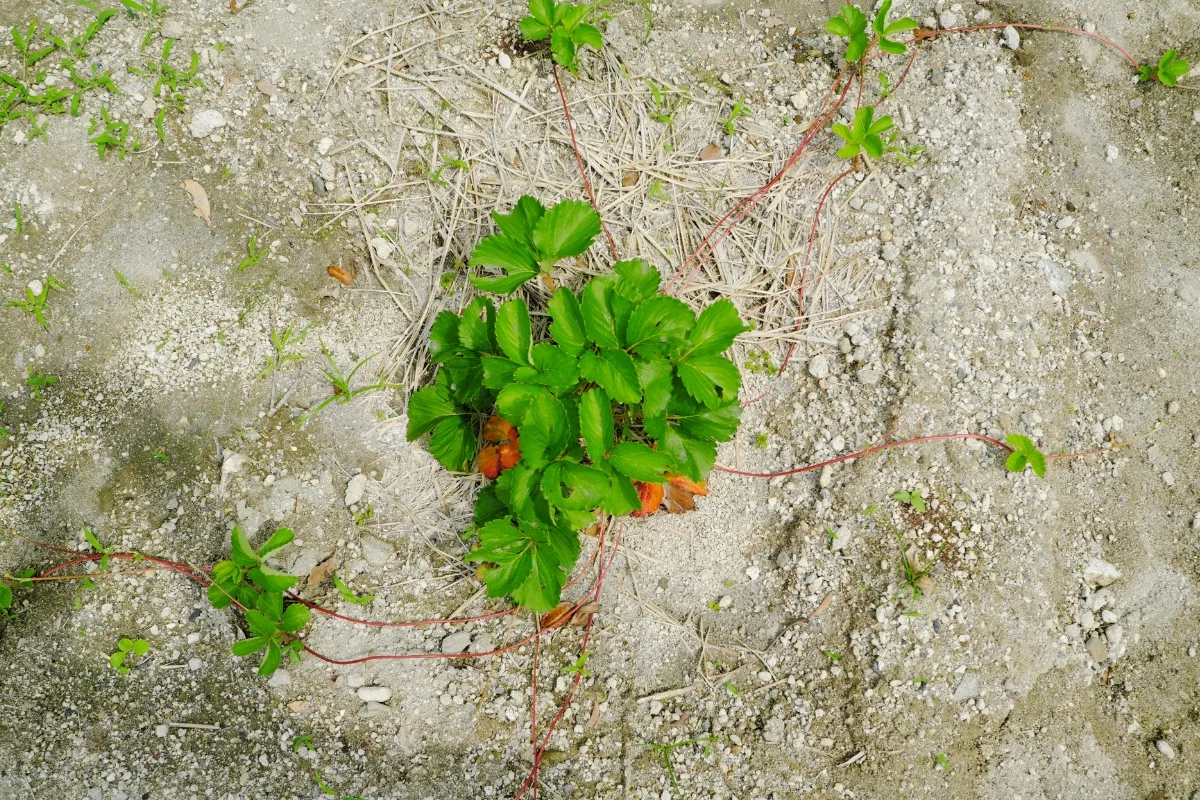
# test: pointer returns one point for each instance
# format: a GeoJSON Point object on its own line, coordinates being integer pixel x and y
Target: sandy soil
{"type": "Point", "coordinates": [1033, 270]}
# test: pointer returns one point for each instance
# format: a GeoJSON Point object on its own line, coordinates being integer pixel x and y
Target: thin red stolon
{"type": "Point", "coordinates": [587, 184]}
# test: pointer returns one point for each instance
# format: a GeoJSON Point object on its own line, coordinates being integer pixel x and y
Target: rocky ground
{"type": "Point", "coordinates": [1033, 270]}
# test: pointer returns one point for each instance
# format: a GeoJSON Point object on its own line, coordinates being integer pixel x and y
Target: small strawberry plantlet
{"type": "Point", "coordinates": [915, 498]}
{"type": "Point", "coordinates": [348, 594]}
{"type": "Point", "coordinates": [1024, 452]}
{"type": "Point", "coordinates": [1169, 69]}
{"type": "Point", "coordinates": [125, 647]}
{"type": "Point", "coordinates": [760, 441]}
{"type": "Point", "coordinates": [850, 24]}
{"type": "Point", "coordinates": [305, 740]}
{"type": "Point", "coordinates": [884, 29]}
{"type": "Point", "coordinates": [579, 667]}
{"type": "Point", "coordinates": [258, 589]}
{"type": "Point", "coordinates": [38, 380]}
{"type": "Point", "coordinates": [833, 655]}
{"type": "Point", "coordinates": [628, 391]}
{"type": "Point", "coordinates": [531, 241]}
{"type": "Point", "coordinates": [563, 25]}
{"type": "Point", "coordinates": [253, 254]}
{"type": "Point", "coordinates": [942, 762]}
{"type": "Point", "coordinates": [729, 124]}
{"type": "Point", "coordinates": [22, 580]}
{"type": "Point", "coordinates": [862, 134]}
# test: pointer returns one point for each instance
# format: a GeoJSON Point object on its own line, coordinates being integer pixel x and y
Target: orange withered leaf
{"type": "Point", "coordinates": [510, 454]}
{"type": "Point", "coordinates": [489, 462]}
{"type": "Point", "coordinates": [651, 495]}
{"type": "Point", "coordinates": [340, 274]}
{"type": "Point", "coordinates": [558, 616]}
{"type": "Point", "coordinates": [679, 500]}
{"type": "Point", "coordinates": [498, 429]}
{"type": "Point", "coordinates": [687, 484]}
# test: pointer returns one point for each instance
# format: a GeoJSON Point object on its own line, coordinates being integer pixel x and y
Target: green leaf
{"type": "Point", "coordinates": [1016, 461]}
{"type": "Point", "coordinates": [271, 579]}
{"type": "Point", "coordinates": [542, 11]}
{"type": "Point", "coordinates": [1019, 442]}
{"type": "Point", "coordinates": [567, 327]}
{"type": "Point", "coordinates": [5, 596]}
{"type": "Point", "coordinates": [693, 457]}
{"type": "Point", "coordinates": [873, 146]}
{"type": "Point", "coordinates": [488, 505]}
{"type": "Point", "coordinates": [117, 659]}
{"type": "Point", "coordinates": [533, 30]}
{"type": "Point", "coordinates": [881, 16]}
{"type": "Point", "coordinates": [247, 646]}
{"type": "Point", "coordinates": [350, 597]}
{"type": "Point", "coordinates": [636, 279]}
{"type": "Point", "coordinates": [295, 617]}
{"type": "Point", "coordinates": [498, 372]}
{"type": "Point", "coordinates": [453, 444]}
{"type": "Point", "coordinates": [639, 462]}
{"type": "Point", "coordinates": [715, 424]}
{"type": "Point", "coordinates": [517, 486]}
{"type": "Point", "coordinates": [658, 381]}
{"type": "Point", "coordinates": [574, 487]}
{"type": "Point", "coordinates": [519, 223]}
{"type": "Point", "coordinates": [715, 329]}
{"type": "Point", "coordinates": [562, 49]}
{"type": "Point", "coordinates": [565, 230]}
{"type": "Point", "coordinates": [656, 323]}
{"type": "Point", "coordinates": [280, 538]}
{"type": "Point", "coordinates": [502, 252]}
{"type": "Point", "coordinates": [514, 401]}
{"type": "Point", "coordinates": [857, 47]}
{"type": "Point", "coordinates": [622, 497]}
{"type": "Point", "coordinates": [711, 380]}
{"type": "Point", "coordinates": [613, 371]}
{"type": "Point", "coordinates": [513, 332]}
{"type": "Point", "coordinates": [93, 541]}
{"type": "Point", "coordinates": [532, 561]}
{"type": "Point", "coordinates": [240, 548]}
{"type": "Point", "coordinates": [271, 605]}
{"type": "Point", "coordinates": [888, 46]}
{"type": "Point", "coordinates": [836, 26]}
{"type": "Point", "coordinates": [259, 624]}
{"type": "Point", "coordinates": [443, 337]}
{"type": "Point", "coordinates": [219, 597]}
{"type": "Point", "coordinates": [551, 367]}
{"type": "Point", "coordinates": [598, 319]}
{"type": "Point", "coordinates": [476, 330]}
{"type": "Point", "coordinates": [589, 35]}
{"type": "Point", "coordinates": [271, 660]}
{"type": "Point", "coordinates": [125, 644]}
{"type": "Point", "coordinates": [427, 408]}
{"type": "Point", "coordinates": [544, 429]}
{"type": "Point", "coordinates": [596, 423]}
{"type": "Point", "coordinates": [1038, 461]}
{"type": "Point", "coordinates": [902, 25]}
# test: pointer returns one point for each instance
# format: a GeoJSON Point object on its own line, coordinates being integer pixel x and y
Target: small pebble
{"type": "Point", "coordinates": [1164, 747]}
{"type": "Point", "coordinates": [1012, 39]}
{"type": "Point", "coordinates": [355, 489]}
{"type": "Point", "coordinates": [194, 664]}
{"type": "Point", "coordinates": [374, 694]}
{"type": "Point", "coordinates": [504, 60]}
{"type": "Point", "coordinates": [172, 29]}
{"type": "Point", "coordinates": [1173, 408]}
{"type": "Point", "coordinates": [206, 122]}
{"type": "Point", "coordinates": [324, 146]}
{"type": "Point", "coordinates": [947, 19]}
{"type": "Point", "coordinates": [1097, 648]}
{"type": "Point", "coordinates": [818, 367]}
{"type": "Point", "coordinates": [456, 642]}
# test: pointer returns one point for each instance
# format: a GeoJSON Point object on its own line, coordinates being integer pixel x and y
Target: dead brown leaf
{"type": "Point", "coordinates": [594, 717]}
{"type": "Point", "coordinates": [826, 601]}
{"type": "Point", "coordinates": [200, 199]}
{"type": "Point", "coordinates": [322, 571]}
{"type": "Point", "coordinates": [267, 88]}
{"type": "Point", "coordinates": [679, 500]}
{"type": "Point", "coordinates": [710, 152]}
{"type": "Point", "coordinates": [630, 179]}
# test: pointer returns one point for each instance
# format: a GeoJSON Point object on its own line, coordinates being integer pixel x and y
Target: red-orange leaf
{"type": "Point", "coordinates": [559, 616]}
{"type": "Point", "coordinates": [651, 495]}
{"type": "Point", "coordinates": [489, 462]}
{"type": "Point", "coordinates": [687, 484]}
{"type": "Point", "coordinates": [498, 429]}
{"type": "Point", "coordinates": [510, 454]}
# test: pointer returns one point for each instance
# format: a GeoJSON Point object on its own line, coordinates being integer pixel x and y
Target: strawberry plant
{"type": "Point", "coordinates": [862, 134]}
{"type": "Point", "coordinates": [624, 391]}
{"type": "Point", "coordinates": [563, 25]}
{"type": "Point", "coordinates": [1169, 69]}
{"type": "Point", "coordinates": [851, 24]}
{"type": "Point", "coordinates": [531, 241]}
{"type": "Point", "coordinates": [1024, 452]}
{"type": "Point", "coordinates": [257, 589]}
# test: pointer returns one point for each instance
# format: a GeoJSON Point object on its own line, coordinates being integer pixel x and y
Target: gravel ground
{"type": "Point", "coordinates": [1033, 270]}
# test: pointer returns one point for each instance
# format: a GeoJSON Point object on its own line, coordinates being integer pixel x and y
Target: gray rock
{"type": "Point", "coordinates": [868, 376]}
{"type": "Point", "coordinates": [1060, 277]}
{"type": "Point", "coordinates": [1164, 747]}
{"type": "Point", "coordinates": [818, 367]}
{"type": "Point", "coordinates": [374, 694]}
{"type": "Point", "coordinates": [968, 687]}
{"type": "Point", "coordinates": [318, 184]}
{"type": "Point", "coordinates": [376, 551]}
{"type": "Point", "coordinates": [148, 108]}
{"type": "Point", "coordinates": [355, 489]}
{"type": "Point", "coordinates": [374, 710]}
{"type": "Point", "coordinates": [1012, 39]}
{"type": "Point", "coordinates": [355, 680]}
{"type": "Point", "coordinates": [456, 642]}
{"type": "Point", "coordinates": [1099, 572]}
{"type": "Point", "coordinates": [890, 252]}
{"type": "Point", "coordinates": [206, 122]}
{"type": "Point", "coordinates": [1188, 290]}
{"type": "Point", "coordinates": [482, 643]}
{"type": "Point", "coordinates": [280, 679]}
{"type": "Point", "coordinates": [947, 19]}
{"type": "Point", "coordinates": [1114, 634]}
{"type": "Point", "coordinates": [841, 539]}
{"type": "Point", "coordinates": [172, 29]}
{"type": "Point", "coordinates": [785, 558]}
{"type": "Point", "coordinates": [1097, 648]}
{"type": "Point", "coordinates": [504, 60]}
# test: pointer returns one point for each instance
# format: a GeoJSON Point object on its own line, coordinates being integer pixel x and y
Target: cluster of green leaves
{"type": "Point", "coordinates": [110, 132]}
{"type": "Point", "coordinates": [124, 647]}
{"type": "Point", "coordinates": [173, 80]}
{"type": "Point", "coordinates": [342, 391]}
{"type": "Point", "coordinates": [532, 240]}
{"type": "Point", "coordinates": [281, 340]}
{"type": "Point", "coordinates": [254, 254]}
{"type": "Point", "coordinates": [729, 124]}
{"type": "Point", "coordinates": [1169, 69]}
{"type": "Point", "coordinates": [863, 134]}
{"type": "Point", "coordinates": [34, 303]}
{"type": "Point", "coordinates": [38, 380]}
{"type": "Point", "coordinates": [915, 498]}
{"type": "Point", "coordinates": [667, 101]}
{"type": "Point", "coordinates": [629, 386]}
{"type": "Point", "coordinates": [152, 10]}
{"type": "Point", "coordinates": [563, 24]}
{"type": "Point", "coordinates": [258, 589]}
{"type": "Point", "coordinates": [22, 580]}
{"type": "Point", "coordinates": [851, 24]}
{"type": "Point", "coordinates": [1024, 452]}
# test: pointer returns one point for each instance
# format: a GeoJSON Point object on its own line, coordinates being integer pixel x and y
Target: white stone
{"type": "Point", "coordinates": [148, 108]}
{"type": "Point", "coordinates": [161, 731]}
{"type": "Point", "coordinates": [172, 29]}
{"type": "Point", "coordinates": [1059, 277]}
{"type": "Point", "coordinates": [1111, 153]}
{"type": "Point", "coordinates": [947, 19]}
{"type": "Point", "coordinates": [206, 122]}
{"type": "Point", "coordinates": [376, 551]}
{"type": "Point", "coordinates": [233, 462]}
{"type": "Point", "coordinates": [371, 710]}
{"type": "Point", "coordinates": [968, 687]}
{"type": "Point", "coordinates": [504, 60]}
{"type": "Point", "coordinates": [355, 489]}
{"type": "Point", "coordinates": [35, 286]}
{"type": "Point", "coordinates": [356, 679]}
{"type": "Point", "coordinates": [753, 572]}
{"type": "Point", "coordinates": [1100, 573]}
{"type": "Point", "coordinates": [324, 145]}
{"type": "Point", "coordinates": [1164, 747]}
{"type": "Point", "coordinates": [799, 100]}
{"type": "Point", "coordinates": [382, 247]}
{"type": "Point", "coordinates": [194, 664]}
{"type": "Point", "coordinates": [818, 367]}
{"type": "Point", "coordinates": [280, 679]}
{"type": "Point", "coordinates": [1012, 39]}
{"type": "Point", "coordinates": [374, 694]}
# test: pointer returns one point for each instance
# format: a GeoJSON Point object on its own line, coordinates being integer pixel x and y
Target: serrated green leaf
{"type": "Point", "coordinates": [227, 573]}
{"type": "Point", "coordinates": [902, 25]}
{"type": "Point", "coordinates": [279, 539]}
{"type": "Point", "coordinates": [240, 548]}
{"type": "Point", "coordinates": [888, 46]}
{"type": "Point", "coordinates": [622, 497]}
{"type": "Point", "coordinates": [453, 444]}
{"type": "Point", "coordinates": [567, 327]}
{"type": "Point", "coordinates": [271, 660]}
{"type": "Point", "coordinates": [271, 579]}
{"type": "Point", "coordinates": [637, 461]}
{"type": "Point", "coordinates": [534, 30]}
{"type": "Point", "coordinates": [1038, 461]}
{"type": "Point", "coordinates": [1019, 442]}
{"type": "Point", "coordinates": [503, 252]}
{"type": "Point", "coordinates": [613, 371]}
{"type": "Point", "coordinates": [551, 367]}
{"type": "Point", "coordinates": [596, 423]}
{"type": "Point", "coordinates": [514, 401]}
{"type": "Point", "coordinates": [522, 481]}
{"type": "Point", "coordinates": [498, 372]}
{"type": "Point", "coordinates": [259, 624]}
{"type": "Point", "coordinates": [295, 617]}
{"type": "Point", "coordinates": [562, 49]}
{"type": "Point", "coordinates": [427, 408]}
{"type": "Point", "coordinates": [715, 329]}
{"type": "Point", "coordinates": [513, 332]}
{"type": "Point", "coordinates": [574, 487]}
{"type": "Point", "coordinates": [247, 594]}
{"type": "Point", "coordinates": [488, 506]}
{"type": "Point", "coordinates": [658, 325]}
{"type": "Point", "coordinates": [693, 457]}
{"type": "Point", "coordinates": [636, 280]}
{"type": "Point", "coordinates": [270, 603]}
{"type": "Point", "coordinates": [589, 35]}
{"type": "Point", "coordinates": [568, 228]}
{"type": "Point", "coordinates": [857, 47]}
{"type": "Point", "coordinates": [569, 15]}
{"type": "Point", "coordinates": [247, 646]}
{"type": "Point", "coordinates": [712, 379]}
{"type": "Point", "coordinates": [1016, 461]}
{"type": "Point", "coordinates": [598, 319]}
{"type": "Point", "coordinates": [518, 224]}
{"type": "Point", "coordinates": [476, 330]}
{"type": "Point", "coordinates": [658, 382]}
{"type": "Point", "coordinates": [873, 146]}
{"type": "Point", "coordinates": [542, 11]}
{"type": "Point", "coordinates": [532, 561]}
{"type": "Point", "coordinates": [544, 429]}
{"type": "Point", "coordinates": [443, 337]}
{"type": "Point", "coordinates": [5, 596]}
{"type": "Point", "coordinates": [219, 597]}
{"type": "Point", "coordinates": [712, 424]}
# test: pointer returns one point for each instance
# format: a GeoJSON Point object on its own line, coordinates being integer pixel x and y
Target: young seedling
{"type": "Point", "coordinates": [1169, 69]}
{"type": "Point", "coordinates": [915, 498]}
{"type": "Point", "coordinates": [667, 749]}
{"type": "Point", "coordinates": [563, 25]}
{"type": "Point", "coordinates": [884, 29]}
{"type": "Point", "coordinates": [258, 589]}
{"type": "Point", "coordinates": [125, 282]}
{"type": "Point", "coordinates": [19, 581]}
{"type": "Point", "coordinates": [348, 594]}
{"type": "Point", "coordinates": [305, 740]}
{"type": "Point", "coordinates": [862, 134]}
{"type": "Point", "coordinates": [162, 457]}
{"type": "Point", "coordinates": [281, 340]}
{"type": "Point", "coordinates": [173, 80]}
{"type": "Point", "coordinates": [851, 24]}
{"type": "Point", "coordinates": [531, 241]}
{"type": "Point", "coordinates": [38, 380]}
{"type": "Point", "coordinates": [153, 10]}
{"type": "Point", "coordinates": [760, 441]}
{"type": "Point", "coordinates": [1024, 452]}
{"type": "Point", "coordinates": [363, 516]}
{"type": "Point", "coordinates": [342, 393]}
{"type": "Point", "coordinates": [729, 124]}
{"type": "Point", "coordinates": [942, 762]}
{"type": "Point", "coordinates": [580, 666]}
{"type": "Point", "coordinates": [105, 551]}
{"type": "Point", "coordinates": [3, 433]}
{"type": "Point", "coordinates": [37, 293]}
{"type": "Point", "coordinates": [833, 655]}
{"type": "Point", "coordinates": [916, 577]}
{"type": "Point", "coordinates": [664, 108]}
{"type": "Point", "coordinates": [111, 133]}
{"type": "Point", "coordinates": [119, 659]}
{"type": "Point", "coordinates": [253, 254]}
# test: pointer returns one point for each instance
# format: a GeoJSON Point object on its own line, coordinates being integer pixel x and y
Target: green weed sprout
{"type": "Point", "coordinates": [253, 255]}
{"type": "Point", "coordinates": [110, 133]}
{"type": "Point", "coordinates": [739, 110]}
{"type": "Point", "coordinates": [667, 749]}
{"type": "Point", "coordinates": [281, 340]}
{"type": "Point", "coordinates": [38, 380]}
{"type": "Point", "coordinates": [342, 392]}
{"type": "Point", "coordinates": [22, 580]}
{"type": "Point", "coordinates": [915, 498]}
{"type": "Point", "coordinates": [37, 294]}
{"type": "Point", "coordinates": [348, 594]}
{"type": "Point", "coordinates": [124, 647]}
{"type": "Point", "coordinates": [863, 134]}
{"type": "Point", "coordinates": [563, 24]}
{"type": "Point", "coordinates": [851, 24]}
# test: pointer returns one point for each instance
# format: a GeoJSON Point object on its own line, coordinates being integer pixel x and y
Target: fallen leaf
{"type": "Point", "coordinates": [592, 530]}
{"type": "Point", "coordinates": [489, 462]}
{"type": "Point", "coordinates": [687, 484]}
{"type": "Point", "coordinates": [340, 274]}
{"type": "Point", "coordinates": [594, 717]}
{"type": "Point", "coordinates": [200, 199]}
{"type": "Point", "coordinates": [710, 152]}
{"type": "Point", "coordinates": [557, 616]}
{"type": "Point", "coordinates": [497, 429]}
{"type": "Point", "coordinates": [924, 33]}
{"type": "Point", "coordinates": [580, 618]}
{"type": "Point", "coordinates": [510, 454]}
{"type": "Point", "coordinates": [679, 500]}
{"type": "Point", "coordinates": [651, 495]}
{"type": "Point", "coordinates": [826, 601]}
{"type": "Point", "coordinates": [267, 88]}
{"type": "Point", "coordinates": [630, 179]}
{"type": "Point", "coordinates": [321, 572]}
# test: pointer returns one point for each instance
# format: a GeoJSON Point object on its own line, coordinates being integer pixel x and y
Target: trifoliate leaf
{"type": "Point", "coordinates": [503, 252]}
{"type": "Point", "coordinates": [498, 372]}
{"type": "Point", "coordinates": [614, 371]}
{"type": "Point", "coordinates": [519, 223]}
{"type": "Point", "coordinates": [551, 367]}
{"type": "Point", "coordinates": [544, 431]}
{"type": "Point", "coordinates": [717, 424]}
{"type": "Point", "coordinates": [639, 462]}
{"type": "Point", "coordinates": [259, 624]}
{"type": "Point", "coordinates": [476, 330]}
{"type": "Point", "coordinates": [453, 444]}
{"type": "Point", "coordinates": [636, 279]}
{"type": "Point", "coordinates": [694, 457]}
{"type": "Point", "coordinates": [427, 408]}
{"type": "Point", "coordinates": [587, 34]}
{"type": "Point", "coordinates": [596, 423]}
{"type": "Point", "coordinates": [513, 332]}
{"type": "Point", "coordinates": [657, 325]}
{"type": "Point", "coordinates": [279, 539]}
{"type": "Point", "coordinates": [712, 379]}
{"type": "Point", "coordinates": [715, 329]}
{"type": "Point", "coordinates": [574, 487]}
{"type": "Point", "coordinates": [443, 337]}
{"type": "Point", "coordinates": [532, 561]}
{"type": "Point", "coordinates": [568, 228]}
{"type": "Point", "coordinates": [567, 327]}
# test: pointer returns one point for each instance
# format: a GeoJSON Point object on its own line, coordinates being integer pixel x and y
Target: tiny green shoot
{"type": "Point", "coordinates": [124, 647]}
{"type": "Point", "coordinates": [862, 134]}
{"type": "Point", "coordinates": [563, 25]}
{"type": "Point", "coordinates": [105, 551]}
{"type": "Point", "coordinates": [348, 594]}
{"type": "Point", "coordinates": [1024, 452]}
{"type": "Point", "coordinates": [281, 340]}
{"type": "Point", "coordinates": [253, 254]}
{"type": "Point", "coordinates": [20, 218]}
{"type": "Point", "coordinates": [667, 749]}
{"type": "Point", "coordinates": [729, 124]}
{"type": "Point", "coordinates": [915, 498]}
{"type": "Point", "coordinates": [125, 282]}
{"type": "Point", "coordinates": [580, 666]}
{"type": "Point", "coordinates": [38, 380]}
{"type": "Point", "coordinates": [760, 441]}
{"type": "Point", "coordinates": [1168, 71]}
